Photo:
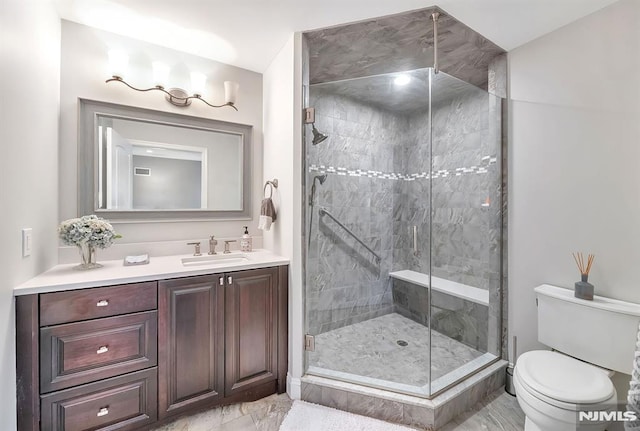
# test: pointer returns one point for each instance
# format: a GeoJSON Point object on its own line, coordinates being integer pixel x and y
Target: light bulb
{"type": "Point", "coordinates": [198, 81]}
{"type": "Point", "coordinates": [160, 74]}
{"type": "Point", "coordinates": [231, 92]}
{"type": "Point", "coordinates": [118, 61]}
{"type": "Point", "coordinates": [402, 80]}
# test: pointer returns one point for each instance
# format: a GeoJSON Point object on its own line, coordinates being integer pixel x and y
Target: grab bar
{"type": "Point", "coordinates": [323, 211]}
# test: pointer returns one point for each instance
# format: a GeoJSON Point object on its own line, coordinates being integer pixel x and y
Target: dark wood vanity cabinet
{"type": "Point", "coordinates": [219, 338]}
{"type": "Point", "coordinates": [130, 357]}
{"type": "Point", "coordinates": [87, 359]}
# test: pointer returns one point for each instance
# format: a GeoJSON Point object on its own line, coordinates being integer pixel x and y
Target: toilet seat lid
{"type": "Point", "coordinates": [564, 378]}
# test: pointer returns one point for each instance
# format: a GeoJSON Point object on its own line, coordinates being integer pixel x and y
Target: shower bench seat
{"type": "Point", "coordinates": [459, 290]}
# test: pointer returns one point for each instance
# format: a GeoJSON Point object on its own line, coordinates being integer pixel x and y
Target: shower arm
{"type": "Point", "coordinates": [434, 17]}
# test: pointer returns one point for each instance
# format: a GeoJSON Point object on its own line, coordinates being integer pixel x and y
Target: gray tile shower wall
{"type": "Point", "coordinates": [379, 186]}
{"type": "Point", "coordinates": [345, 285]}
{"type": "Point", "coordinates": [366, 143]}
{"type": "Point", "coordinates": [466, 223]}
{"type": "Point", "coordinates": [466, 214]}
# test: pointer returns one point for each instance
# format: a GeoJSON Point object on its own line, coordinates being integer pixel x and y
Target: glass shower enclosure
{"type": "Point", "coordinates": [403, 231]}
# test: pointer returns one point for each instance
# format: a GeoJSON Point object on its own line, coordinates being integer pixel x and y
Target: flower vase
{"type": "Point", "coordinates": [583, 289]}
{"type": "Point", "coordinates": [87, 258]}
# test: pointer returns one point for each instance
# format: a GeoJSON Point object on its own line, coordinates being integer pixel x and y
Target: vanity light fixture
{"type": "Point", "coordinates": [118, 61]}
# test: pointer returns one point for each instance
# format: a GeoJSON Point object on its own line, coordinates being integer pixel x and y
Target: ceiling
{"type": "Point", "coordinates": [381, 92]}
{"type": "Point", "coordinates": [399, 42]}
{"type": "Point", "coordinates": [249, 33]}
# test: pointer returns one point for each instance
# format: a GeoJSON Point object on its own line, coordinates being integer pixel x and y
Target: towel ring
{"type": "Point", "coordinates": [271, 185]}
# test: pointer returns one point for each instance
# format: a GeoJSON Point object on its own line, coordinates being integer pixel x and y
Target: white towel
{"type": "Point", "coordinates": [267, 214]}
{"type": "Point", "coordinates": [265, 222]}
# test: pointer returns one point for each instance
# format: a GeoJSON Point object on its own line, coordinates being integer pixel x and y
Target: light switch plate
{"type": "Point", "coordinates": [27, 241]}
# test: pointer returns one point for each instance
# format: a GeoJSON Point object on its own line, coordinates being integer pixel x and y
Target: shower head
{"type": "Point", "coordinates": [320, 178]}
{"type": "Point", "coordinates": [317, 136]}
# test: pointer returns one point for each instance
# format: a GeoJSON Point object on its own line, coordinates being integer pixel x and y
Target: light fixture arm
{"type": "Point", "coordinates": [174, 96]}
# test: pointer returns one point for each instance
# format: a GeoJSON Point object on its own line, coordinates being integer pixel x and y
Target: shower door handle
{"type": "Point", "coordinates": [415, 240]}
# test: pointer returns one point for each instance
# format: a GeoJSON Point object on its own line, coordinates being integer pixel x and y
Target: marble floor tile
{"type": "Point", "coordinates": [268, 413]}
{"type": "Point", "coordinates": [371, 349]}
{"type": "Point", "coordinates": [243, 423]}
{"type": "Point", "coordinates": [263, 415]}
{"type": "Point", "coordinates": [498, 412]}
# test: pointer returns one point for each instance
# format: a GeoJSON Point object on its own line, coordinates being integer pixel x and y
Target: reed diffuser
{"type": "Point", "coordinates": [583, 289]}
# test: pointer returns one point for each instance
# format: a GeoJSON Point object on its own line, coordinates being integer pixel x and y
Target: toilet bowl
{"type": "Point", "coordinates": [553, 388]}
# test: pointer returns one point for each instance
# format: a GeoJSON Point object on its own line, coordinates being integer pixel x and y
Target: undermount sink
{"type": "Point", "coordinates": [214, 259]}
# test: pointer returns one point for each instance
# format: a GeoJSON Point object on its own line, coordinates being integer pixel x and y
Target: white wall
{"type": "Point", "coordinates": [574, 173]}
{"type": "Point", "coordinates": [29, 108]}
{"type": "Point", "coordinates": [84, 68]}
{"type": "Point", "coordinates": [283, 160]}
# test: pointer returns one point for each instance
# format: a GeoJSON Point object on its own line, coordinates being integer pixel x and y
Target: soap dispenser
{"type": "Point", "coordinates": [246, 241]}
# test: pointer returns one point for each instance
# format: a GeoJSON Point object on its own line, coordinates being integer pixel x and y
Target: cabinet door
{"type": "Point", "coordinates": [190, 343]}
{"type": "Point", "coordinates": [250, 329]}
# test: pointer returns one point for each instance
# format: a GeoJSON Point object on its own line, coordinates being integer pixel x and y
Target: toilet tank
{"type": "Point", "coordinates": [602, 332]}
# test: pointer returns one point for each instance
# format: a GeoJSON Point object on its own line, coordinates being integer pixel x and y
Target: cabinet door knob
{"type": "Point", "coordinates": [221, 281]}
{"type": "Point", "coordinates": [103, 411]}
{"type": "Point", "coordinates": [102, 303]}
{"type": "Point", "coordinates": [102, 349]}
{"type": "Point", "coordinates": [230, 280]}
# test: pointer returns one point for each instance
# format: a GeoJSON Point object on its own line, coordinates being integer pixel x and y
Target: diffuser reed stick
{"type": "Point", "coordinates": [583, 289]}
{"type": "Point", "coordinates": [579, 258]}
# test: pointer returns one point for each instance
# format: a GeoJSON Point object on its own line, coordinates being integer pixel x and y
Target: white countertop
{"type": "Point", "coordinates": [64, 277]}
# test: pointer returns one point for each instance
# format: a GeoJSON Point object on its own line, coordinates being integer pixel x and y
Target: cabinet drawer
{"type": "Point", "coordinates": [121, 403]}
{"type": "Point", "coordinates": [84, 304]}
{"type": "Point", "coordinates": [82, 352]}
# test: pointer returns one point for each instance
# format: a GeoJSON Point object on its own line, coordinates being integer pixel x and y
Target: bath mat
{"type": "Point", "coordinates": [305, 416]}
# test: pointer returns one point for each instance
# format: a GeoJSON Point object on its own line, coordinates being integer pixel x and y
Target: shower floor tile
{"type": "Point", "coordinates": [371, 349]}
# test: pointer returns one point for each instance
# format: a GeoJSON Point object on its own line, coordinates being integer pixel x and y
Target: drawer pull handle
{"type": "Point", "coordinates": [103, 411]}
{"type": "Point", "coordinates": [221, 281]}
{"type": "Point", "coordinates": [230, 280]}
{"type": "Point", "coordinates": [102, 349]}
{"type": "Point", "coordinates": [102, 303]}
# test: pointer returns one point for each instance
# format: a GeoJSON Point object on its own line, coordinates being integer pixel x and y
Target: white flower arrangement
{"type": "Point", "coordinates": [88, 230]}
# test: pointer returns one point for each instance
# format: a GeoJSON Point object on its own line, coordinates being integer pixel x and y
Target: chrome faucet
{"type": "Point", "coordinates": [226, 246]}
{"type": "Point", "coordinates": [212, 245]}
{"type": "Point", "coordinates": [197, 251]}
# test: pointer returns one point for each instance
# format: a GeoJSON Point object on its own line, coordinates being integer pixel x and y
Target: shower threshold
{"type": "Point", "coordinates": [369, 353]}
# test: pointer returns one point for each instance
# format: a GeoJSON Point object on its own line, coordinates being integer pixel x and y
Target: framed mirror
{"type": "Point", "coordinates": [142, 165]}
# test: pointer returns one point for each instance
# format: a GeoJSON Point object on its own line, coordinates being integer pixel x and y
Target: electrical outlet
{"type": "Point", "coordinates": [27, 241]}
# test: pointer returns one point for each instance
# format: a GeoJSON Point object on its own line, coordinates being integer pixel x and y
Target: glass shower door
{"type": "Point", "coordinates": [359, 222]}
{"type": "Point", "coordinates": [466, 230]}
{"type": "Point", "coordinates": [403, 217]}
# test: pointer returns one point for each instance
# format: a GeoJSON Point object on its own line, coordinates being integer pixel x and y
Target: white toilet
{"type": "Point", "coordinates": [591, 339]}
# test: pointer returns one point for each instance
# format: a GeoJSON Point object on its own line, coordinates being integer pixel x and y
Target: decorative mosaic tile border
{"type": "Point", "coordinates": [485, 162]}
